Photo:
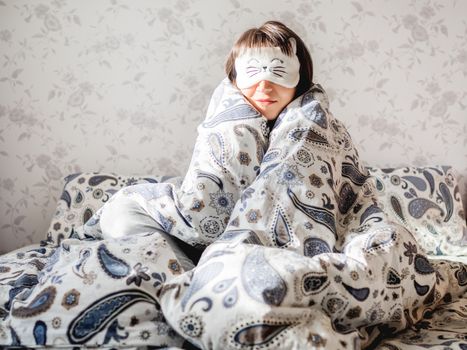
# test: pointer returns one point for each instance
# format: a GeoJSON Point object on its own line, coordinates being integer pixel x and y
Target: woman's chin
{"type": "Point", "coordinates": [270, 114]}
{"type": "Point", "coordinates": [270, 117]}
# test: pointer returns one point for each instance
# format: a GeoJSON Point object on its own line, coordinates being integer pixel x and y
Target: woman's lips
{"type": "Point", "coordinates": [265, 101]}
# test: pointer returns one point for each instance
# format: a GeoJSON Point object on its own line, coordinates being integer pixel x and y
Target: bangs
{"type": "Point", "coordinates": [255, 38]}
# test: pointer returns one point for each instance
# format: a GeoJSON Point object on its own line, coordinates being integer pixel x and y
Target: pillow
{"type": "Point", "coordinates": [84, 193]}
{"type": "Point", "coordinates": [428, 203]}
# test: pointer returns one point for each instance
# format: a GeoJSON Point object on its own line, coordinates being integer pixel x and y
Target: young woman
{"type": "Point", "coordinates": [228, 151]}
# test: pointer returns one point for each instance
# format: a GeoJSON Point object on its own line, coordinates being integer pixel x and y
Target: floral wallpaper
{"type": "Point", "coordinates": [120, 86]}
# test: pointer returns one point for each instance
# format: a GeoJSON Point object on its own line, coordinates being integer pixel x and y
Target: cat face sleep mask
{"type": "Point", "coordinates": [267, 63]}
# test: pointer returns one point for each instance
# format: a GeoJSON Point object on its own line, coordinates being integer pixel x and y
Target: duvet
{"type": "Point", "coordinates": [298, 252]}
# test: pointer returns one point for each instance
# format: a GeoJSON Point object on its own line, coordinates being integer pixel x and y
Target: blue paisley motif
{"type": "Point", "coordinates": [430, 297]}
{"type": "Point", "coordinates": [314, 283]}
{"type": "Point", "coordinates": [230, 298]}
{"type": "Point", "coordinates": [40, 333]}
{"type": "Point", "coordinates": [317, 214]}
{"type": "Point", "coordinates": [164, 223]}
{"type": "Point", "coordinates": [112, 333]}
{"type": "Point", "coordinates": [416, 181]}
{"type": "Point", "coordinates": [87, 214]}
{"type": "Point", "coordinates": [261, 281]}
{"type": "Point", "coordinates": [393, 278]}
{"type": "Point", "coordinates": [211, 177]}
{"type": "Point", "coordinates": [397, 207]}
{"type": "Point", "coordinates": [79, 197]}
{"type": "Point", "coordinates": [25, 281]}
{"type": "Point", "coordinates": [461, 276]}
{"type": "Point", "coordinates": [206, 300]}
{"type": "Point", "coordinates": [368, 213]}
{"type": "Point", "coordinates": [223, 285]}
{"type": "Point", "coordinates": [312, 110]}
{"type": "Point", "coordinates": [267, 170]}
{"type": "Point", "coordinates": [15, 341]}
{"type": "Point", "coordinates": [313, 246]}
{"type": "Point", "coordinates": [67, 198]}
{"type": "Point", "coordinates": [422, 265]}
{"type": "Point", "coordinates": [202, 276]}
{"type": "Point", "coordinates": [430, 179]}
{"type": "Point", "coordinates": [83, 257]}
{"type": "Point", "coordinates": [41, 303]}
{"type": "Point", "coordinates": [347, 198]}
{"type": "Point", "coordinates": [154, 181]}
{"type": "Point", "coordinates": [71, 177]}
{"type": "Point", "coordinates": [351, 172]}
{"type": "Point", "coordinates": [309, 135]}
{"type": "Point", "coordinates": [447, 199]}
{"type": "Point", "coordinates": [216, 148]}
{"type": "Point", "coordinates": [418, 207]}
{"type": "Point", "coordinates": [239, 112]}
{"type": "Point", "coordinates": [271, 155]}
{"type": "Point", "coordinates": [360, 294]}
{"type": "Point", "coordinates": [281, 230]}
{"type": "Point", "coordinates": [379, 185]}
{"type": "Point", "coordinates": [258, 334]}
{"type": "Point", "coordinates": [113, 266]}
{"type": "Point", "coordinates": [421, 289]}
{"type": "Point", "coordinates": [100, 313]}
{"type": "Point", "coordinates": [96, 180]}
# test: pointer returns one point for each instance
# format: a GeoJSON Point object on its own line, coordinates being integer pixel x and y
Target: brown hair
{"type": "Point", "coordinates": [273, 34]}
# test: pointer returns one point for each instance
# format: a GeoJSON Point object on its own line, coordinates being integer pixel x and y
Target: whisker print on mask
{"type": "Point", "coordinates": [252, 71]}
{"type": "Point", "coordinates": [252, 75]}
{"type": "Point", "coordinates": [279, 72]}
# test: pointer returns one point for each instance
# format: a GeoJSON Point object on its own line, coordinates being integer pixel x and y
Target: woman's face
{"type": "Point", "coordinates": [268, 98]}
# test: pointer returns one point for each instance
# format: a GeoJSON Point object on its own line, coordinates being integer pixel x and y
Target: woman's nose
{"type": "Point", "coordinates": [264, 85]}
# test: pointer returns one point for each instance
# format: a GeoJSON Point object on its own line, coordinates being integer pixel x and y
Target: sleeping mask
{"type": "Point", "coordinates": [267, 63]}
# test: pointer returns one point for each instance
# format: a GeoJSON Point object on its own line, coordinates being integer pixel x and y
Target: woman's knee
{"type": "Point", "coordinates": [123, 215]}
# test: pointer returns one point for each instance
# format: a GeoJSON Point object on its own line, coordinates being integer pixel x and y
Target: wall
{"type": "Point", "coordinates": [120, 86]}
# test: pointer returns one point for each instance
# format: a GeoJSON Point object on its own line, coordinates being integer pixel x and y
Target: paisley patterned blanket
{"type": "Point", "coordinates": [299, 253]}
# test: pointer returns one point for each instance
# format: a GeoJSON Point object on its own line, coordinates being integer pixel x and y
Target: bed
{"type": "Point", "coordinates": [426, 201]}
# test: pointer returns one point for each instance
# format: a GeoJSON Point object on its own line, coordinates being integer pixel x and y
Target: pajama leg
{"type": "Point", "coordinates": [124, 216]}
